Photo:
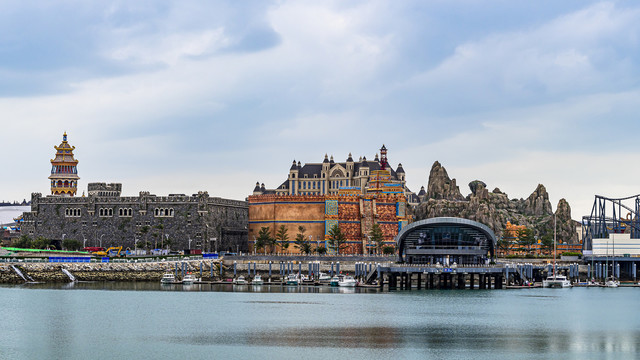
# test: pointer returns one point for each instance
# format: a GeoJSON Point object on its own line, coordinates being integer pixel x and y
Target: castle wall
{"type": "Point", "coordinates": [354, 214]}
{"type": "Point", "coordinates": [211, 223]}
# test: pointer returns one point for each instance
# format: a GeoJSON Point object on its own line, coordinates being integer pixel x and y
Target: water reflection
{"type": "Point", "coordinates": [472, 338]}
{"type": "Point", "coordinates": [156, 286]}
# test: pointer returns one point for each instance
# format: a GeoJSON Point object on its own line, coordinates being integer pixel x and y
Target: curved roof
{"type": "Point", "coordinates": [444, 221]}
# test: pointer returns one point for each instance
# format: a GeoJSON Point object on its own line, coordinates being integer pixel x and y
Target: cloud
{"type": "Point", "coordinates": [151, 91]}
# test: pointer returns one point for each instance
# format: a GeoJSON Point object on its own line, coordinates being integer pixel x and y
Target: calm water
{"type": "Point", "coordinates": [122, 320]}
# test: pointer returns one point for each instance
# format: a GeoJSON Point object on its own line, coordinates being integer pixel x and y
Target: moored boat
{"type": "Point", "coordinates": [556, 281]}
{"type": "Point", "coordinates": [324, 277]}
{"type": "Point", "coordinates": [188, 279]}
{"type": "Point", "coordinates": [257, 280]}
{"type": "Point", "coordinates": [612, 282]}
{"type": "Point", "coordinates": [168, 278]}
{"type": "Point", "coordinates": [292, 280]}
{"type": "Point", "coordinates": [347, 281]}
{"type": "Point", "coordinates": [335, 281]}
{"type": "Point", "coordinates": [240, 280]}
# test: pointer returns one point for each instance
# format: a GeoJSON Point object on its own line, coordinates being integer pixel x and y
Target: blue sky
{"type": "Point", "coordinates": [176, 97]}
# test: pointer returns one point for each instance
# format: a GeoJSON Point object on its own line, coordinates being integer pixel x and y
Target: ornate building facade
{"type": "Point", "coordinates": [105, 218]}
{"type": "Point", "coordinates": [330, 177]}
{"type": "Point", "coordinates": [352, 195]}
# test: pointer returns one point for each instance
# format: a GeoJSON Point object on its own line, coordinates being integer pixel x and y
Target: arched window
{"type": "Point", "coordinates": [130, 212]}
{"type": "Point", "coordinates": [157, 212]}
{"type": "Point", "coordinates": [171, 212]}
{"type": "Point", "coordinates": [101, 212]}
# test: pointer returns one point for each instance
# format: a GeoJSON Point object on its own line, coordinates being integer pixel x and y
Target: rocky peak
{"type": "Point", "coordinates": [537, 204]}
{"type": "Point", "coordinates": [566, 227]}
{"type": "Point", "coordinates": [441, 186]}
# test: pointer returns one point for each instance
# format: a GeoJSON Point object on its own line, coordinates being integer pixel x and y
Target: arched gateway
{"type": "Point", "coordinates": [446, 240]}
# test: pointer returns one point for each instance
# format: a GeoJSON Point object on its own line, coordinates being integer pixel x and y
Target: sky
{"type": "Point", "coordinates": [178, 97]}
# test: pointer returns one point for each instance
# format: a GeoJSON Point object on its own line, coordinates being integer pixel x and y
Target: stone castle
{"type": "Point", "coordinates": [105, 218]}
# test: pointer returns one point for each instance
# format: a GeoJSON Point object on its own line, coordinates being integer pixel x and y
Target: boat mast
{"type": "Point", "coordinates": [554, 245]}
{"type": "Point", "coordinates": [613, 256]}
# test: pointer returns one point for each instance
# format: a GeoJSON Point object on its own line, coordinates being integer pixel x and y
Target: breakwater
{"type": "Point", "coordinates": [59, 272]}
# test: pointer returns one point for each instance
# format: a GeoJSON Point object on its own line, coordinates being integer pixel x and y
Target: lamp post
{"type": "Point", "coordinates": [189, 242]}
{"type": "Point", "coordinates": [167, 236]}
{"type": "Point", "coordinates": [84, 241]}
{"type": "Point", "coordinates": [101, 240]}
{"type": "Point", "coordinates": [63, 235]}
{"type": "Point", "coordinates": [135, 246]}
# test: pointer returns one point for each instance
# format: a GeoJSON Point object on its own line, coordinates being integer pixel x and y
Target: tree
{"type": "Point", "coordinates": [321, 250]}
{"type": "Point", "coordinates": [23, 242]}
{"type": "Point", "coordinates": [40, 243]}
{"type": "Point", "coordinates": [71, 244]}
{"type": "Point", "coordinates": [302, 243]}
{"type": "Point", "coordinates": [144, 231]}
{"type": "Point", "coordinates": [377, 237]}
{"type": "Point", "coordinates": [388, 250]}
{"type": "Point", "coordinates": [547, 243]}
{"type": "Point", "coordinates": [337, 240]}
{"type": "Point", "coordinates": [526, 238]}
{"type": "Point", "coordinates": [282, 237]}
{"type": "Point", "coordinates": [264, 238]}
{"type": "Point", "coordinates": [505, 242]}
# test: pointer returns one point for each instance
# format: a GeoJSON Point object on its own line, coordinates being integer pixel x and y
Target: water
{"type": "Point", "coordinates": [147, 320]}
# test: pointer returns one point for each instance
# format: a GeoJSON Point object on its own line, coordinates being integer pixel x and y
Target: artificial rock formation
{"type": "Point", "coordinates": [494, 208]}
{"type": "Point", "coordinates": [441, 186]}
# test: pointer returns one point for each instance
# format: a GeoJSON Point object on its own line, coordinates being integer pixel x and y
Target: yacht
{"type": "Point", "coordinates": [556, 281]}
{"type": "Point", "coordinates": [188, 279]}
{"type": "Point", "coordinates": [335, 281]}
{"type": "Point", "coordinates": [347, 281]}
{"type": "Point", "coordinates": [612, 282]}
{"type": "Point", "coordinates": [324, 277]}
{"type": "Point", "coordinates": [293, 280]}
{"type": "Point", "coordinates": [240, 280]}
{"type": "Point", "coordinates": [257, 280]}
{"type": "Point", "coordinates": [168, 278]}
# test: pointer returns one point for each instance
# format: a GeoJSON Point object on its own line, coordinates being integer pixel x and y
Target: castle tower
{"type": "Point", "coordinates": [64, 173]}
{"type": "Point", "coordinates": [383, 158]}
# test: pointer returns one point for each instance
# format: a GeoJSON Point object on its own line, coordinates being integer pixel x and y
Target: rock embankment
{"type": "Point", "coordinates": [52, 272]}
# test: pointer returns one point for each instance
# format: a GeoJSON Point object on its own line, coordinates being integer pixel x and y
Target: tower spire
{"type": "Point", "coordinates": [64, 172]}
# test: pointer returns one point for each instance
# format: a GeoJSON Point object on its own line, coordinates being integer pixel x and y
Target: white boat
{"type": "Point", "coordinates": [257, 280]}
{"type": "Point", "coordinates": [168, 278]}
{"type": "Point", "coordinates": [292, 280]}
{"type": "Point", "coordinates": [335, 281]}
{"type": "Point", "coordinates": [347, 281]}
{"type": "Point", "coordinates": [188, 279]}
{"type": "Point", "coordinates": [556, 281]}
{"type": "Point", "coordinates": [324, 277]}
{"type": "Point", "coordinates": [612, 282]}
{"type": "Point", "coordinates": [240, 280]}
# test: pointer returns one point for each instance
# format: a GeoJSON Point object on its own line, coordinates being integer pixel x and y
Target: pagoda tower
{"type": "Point", "coordinates": [64, 173]}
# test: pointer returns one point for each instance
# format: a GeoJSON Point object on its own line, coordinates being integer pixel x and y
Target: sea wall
{"type": "Point", "coordinates": [52, 272]}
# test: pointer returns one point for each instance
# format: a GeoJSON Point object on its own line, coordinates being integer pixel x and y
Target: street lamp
{"type": "Point", "coordinates": [101, 240]}
{"type": "Point", "coordinates": [84, 241]}
{"type": "Point", "coordinates": [167, 236]}
{"type": "Point", "coordinates": [189, 242]}
{"type": "Point", "coordinates": [135, 246]}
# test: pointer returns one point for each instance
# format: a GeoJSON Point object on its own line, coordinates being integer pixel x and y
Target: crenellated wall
{"type": "Point", "coordinates": [211, 223]}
